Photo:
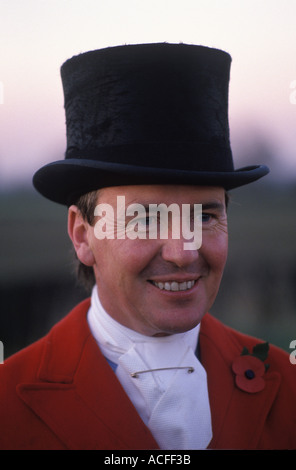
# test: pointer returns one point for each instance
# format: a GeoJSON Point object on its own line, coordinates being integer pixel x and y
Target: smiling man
{"type": "Point", "coordinates": [142, 364]}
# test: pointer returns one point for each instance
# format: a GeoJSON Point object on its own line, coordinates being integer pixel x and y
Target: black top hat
{"type": "Point", "coordinates": [145, 114]}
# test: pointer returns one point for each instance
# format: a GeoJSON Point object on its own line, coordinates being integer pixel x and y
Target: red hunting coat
{"type": "Point", "coordinates": [60, 393]}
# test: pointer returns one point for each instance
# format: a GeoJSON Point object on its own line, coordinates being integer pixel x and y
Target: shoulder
{"type": "Point", "coordinates": [266, 405]}
{"type": "Point", "coordinates": [217, 332]}
{"type": "Point", "coordinates": [231, 343]}
{"type": "Point", "coordinates": [36, 366]}
{"type": "Point", "coordinates": [24, 365]}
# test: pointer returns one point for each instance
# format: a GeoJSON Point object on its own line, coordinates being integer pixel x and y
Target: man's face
{"type": "Point", "coordinates": [133, 275]}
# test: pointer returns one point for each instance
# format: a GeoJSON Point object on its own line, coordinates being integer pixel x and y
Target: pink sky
{"type": "Point", "coordinates": [37, 36]}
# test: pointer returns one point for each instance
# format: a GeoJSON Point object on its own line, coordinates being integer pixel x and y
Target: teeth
{"type": "Point", "coordinates": [174, 286]}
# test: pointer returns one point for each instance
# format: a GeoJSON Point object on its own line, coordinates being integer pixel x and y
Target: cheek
{"type": "Point", "coordinates": [104, 262]}
{"type": "Point", "coordinates": [122, 259]}
{"type": "Point", "coordinates": [215, 250]}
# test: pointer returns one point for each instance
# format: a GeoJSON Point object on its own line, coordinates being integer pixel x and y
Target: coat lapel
{"type": "Point", "coordinates": [78, 396]}
{"type": "Point", "coordinates": [238, 417]}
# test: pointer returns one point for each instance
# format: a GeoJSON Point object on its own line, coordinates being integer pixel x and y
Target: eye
{"type": "Point", "coordinates": [206, 217]}
{"type": "Point", "coordinates": [145, 222]}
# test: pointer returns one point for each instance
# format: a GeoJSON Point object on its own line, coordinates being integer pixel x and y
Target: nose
{"type": "Point", "coordinates": [174, 252]}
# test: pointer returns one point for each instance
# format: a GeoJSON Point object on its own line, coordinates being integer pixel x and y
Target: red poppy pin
{"type": "Point", "coordinates": [250, 368]}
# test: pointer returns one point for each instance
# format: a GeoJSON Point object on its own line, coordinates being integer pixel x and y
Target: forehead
{"type": "Point", "coordinates": [163, 193]}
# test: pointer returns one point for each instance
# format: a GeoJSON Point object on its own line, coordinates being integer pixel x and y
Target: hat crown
{"type": "Point", "coordinates": [158, 105]}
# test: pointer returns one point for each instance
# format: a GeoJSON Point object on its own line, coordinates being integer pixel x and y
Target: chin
{"type": "Point", "coordinates": [180, 325]}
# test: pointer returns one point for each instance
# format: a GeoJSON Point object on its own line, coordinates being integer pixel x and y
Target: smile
{"type": "Point", "coordinates": [174, 286]}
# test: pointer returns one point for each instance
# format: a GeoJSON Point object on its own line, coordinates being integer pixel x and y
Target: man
{"type": "Point", "coordinates": [142, 364]}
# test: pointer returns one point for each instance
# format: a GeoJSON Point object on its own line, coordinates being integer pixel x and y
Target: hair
{"type": "Point", "coordinates": [86, 205]}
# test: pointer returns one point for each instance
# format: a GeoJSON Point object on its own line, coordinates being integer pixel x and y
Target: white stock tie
{"type": "Point", "coordinates": [162, 377]}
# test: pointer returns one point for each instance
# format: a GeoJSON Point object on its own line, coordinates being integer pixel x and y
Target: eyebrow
{"type": "Point", "coordinates": [213, 205]}
{"type": "Point", "coordinates": [208, 204]}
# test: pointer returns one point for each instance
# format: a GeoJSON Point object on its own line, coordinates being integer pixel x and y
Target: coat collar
{"type": "Point", "coordinates": [70, 378]}
{"type": "Point", "coordinates": [70, 396]}
{"type": "Point", "coordinates": [238, 417]}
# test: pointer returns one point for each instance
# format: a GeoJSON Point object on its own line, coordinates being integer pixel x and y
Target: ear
{"type": "Point", "coordinates": [78, 232]}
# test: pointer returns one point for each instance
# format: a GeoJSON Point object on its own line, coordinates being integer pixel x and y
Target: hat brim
{"type": "Point", "coordinates": [66, 180]}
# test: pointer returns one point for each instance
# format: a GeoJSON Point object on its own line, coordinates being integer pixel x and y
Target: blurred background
{"type": "Point", "coordinates": [37, 282]}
